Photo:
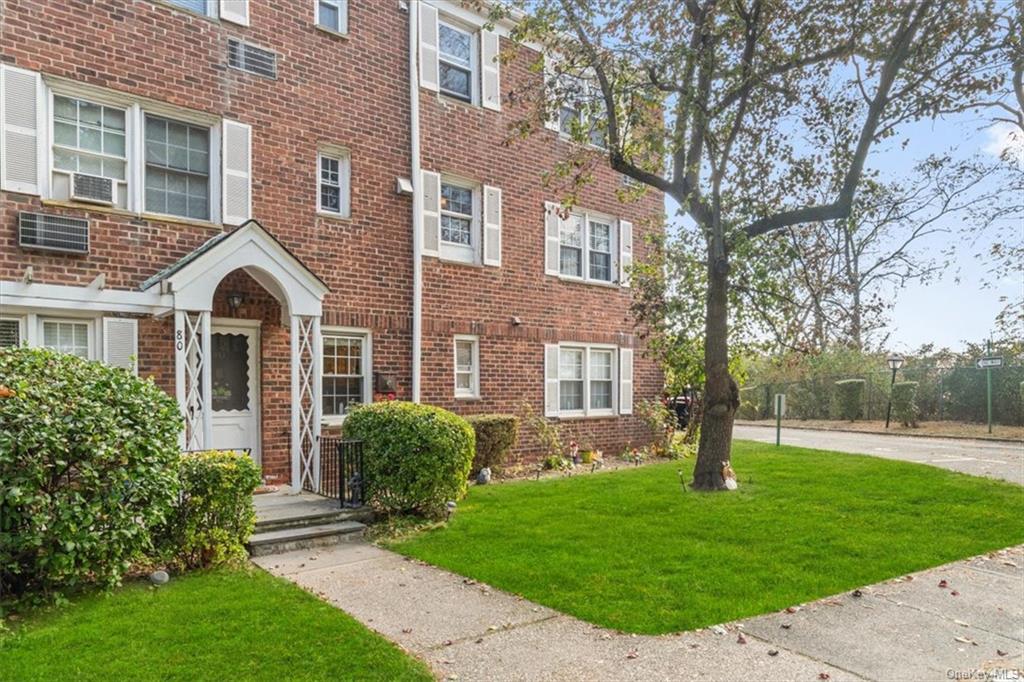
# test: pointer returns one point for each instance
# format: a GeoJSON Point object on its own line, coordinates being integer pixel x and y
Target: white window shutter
{"type": "Point", "coordinates": [429, 69]}
{"type": "Point", "coordinates": [490, 77]}
{"type": "Point", "coordinates": [121, 342]}
{"type": "Point", "coordinates": [552, 122]}
{"type": "Point", "coordinates": [492, 226]}
{"type": "Point", "coordinates": [551, 397]}
{"type": "Point", "coordinates": [625, 381]}
{"type": "Point", "coordinates": [21, 109]}
{"type": "Point", "coordinates": [235, 11]}
{"type": "Point", "coordinates": [625, 251]}
{"type": "Point", "coordinates": [236, 177]}
{"type": "Point", "coordinates": [552, 232]}
{"type": "Point", "coordinates": [431, 213]}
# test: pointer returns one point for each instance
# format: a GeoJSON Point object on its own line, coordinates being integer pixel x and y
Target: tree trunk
{"type": "Point", "coordinates": [721, 394]}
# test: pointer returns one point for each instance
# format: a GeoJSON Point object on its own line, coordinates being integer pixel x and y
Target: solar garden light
{"type": "Point", "coordinates": [895, 361]}
{"type": "Point", "coordinates": [449, 510]}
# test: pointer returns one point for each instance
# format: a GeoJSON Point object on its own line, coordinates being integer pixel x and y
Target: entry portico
{"type": "Point", "coordinates": [191, 283]}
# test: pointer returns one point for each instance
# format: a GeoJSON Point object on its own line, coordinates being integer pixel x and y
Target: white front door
{"type": "Point", "coordinates": [234, 366]}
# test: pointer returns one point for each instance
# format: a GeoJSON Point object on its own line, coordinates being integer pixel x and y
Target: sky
{"type": "Point", "coordinates": [955, 308]}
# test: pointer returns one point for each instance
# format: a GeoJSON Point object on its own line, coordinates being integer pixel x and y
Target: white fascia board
{"type": "Point", "coordinates": [58, 296]}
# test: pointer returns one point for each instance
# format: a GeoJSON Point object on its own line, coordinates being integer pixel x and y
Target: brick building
{"type": "Point", "coordinates": [324, 204]}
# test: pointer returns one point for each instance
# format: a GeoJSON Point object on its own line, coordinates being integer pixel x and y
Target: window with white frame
{"type": "Point", "coordinates": [346, 372]}
{"type": "Point", "coordinates": [460, 221]}
{"type": "Point", "coordinates": [602, 378]}
{"type": "Point", "coordinates": [10, 332]}
{"type": "Point", "coordinates": [333, 183]}
{"type": "Point", "coordinates": [571, 379]}
{"type": "Point", "coordinates": [207, 9]}
{"type": "Point", "coordinates": [586, 245]}
{"type": "Point", "coordinates": [68, 336]}
{"type": "Point", "coordinates": [457, 61]}
{"type": "Point", "coordinates": [89, 139]}
{"type": "Point", "coordinates": [177, 168]}
{"type": "Point", "coordinates": [467, 367]}
{"type": "Point", "coordinates": [582, 109]}
{"type": "Point", "coordinates": [586, 380]}
{"type": "Point", "coordinates": [332, 15]}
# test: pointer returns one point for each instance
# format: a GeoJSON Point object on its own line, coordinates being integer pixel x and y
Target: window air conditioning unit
{"type": "Point", "coordinates": [53, 232]}
{"type": "Point", "coordinates": [92, 188]}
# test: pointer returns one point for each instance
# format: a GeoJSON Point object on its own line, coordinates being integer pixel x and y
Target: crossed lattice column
{"type": "Point", "coordinates": [192, 374]}
{"type": "Point", "coordinates": [307, 399]}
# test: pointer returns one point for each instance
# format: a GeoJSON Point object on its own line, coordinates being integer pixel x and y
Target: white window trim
{"type": "Point", "coordinates": [587, 411]}
{"type": "Point", "coordinates": [344, 160]}
{"type": "Point", "coordinates": [136, 109]}
{"type": "Point", "coordinates": [367, 335]}
{"type": "Point", "coordinates": [474, 59]}
{"type": "Point", "coordinates": [91, 325]}
{"type": "Point", "coordinates": [474, 391]}
{"type": "Point", "coordinates": [613, 245]}
{"type": "Point", "coordinates": [212, 8]}
{"type": "Point", "coordinates": [459, 253]}
{"type": "Point", "coordinates": [342, 7]}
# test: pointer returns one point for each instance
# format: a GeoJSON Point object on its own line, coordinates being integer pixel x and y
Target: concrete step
{"type": "Point", "coordinates": [265, 542]}
{"type": "Point", "coordinates": [301, 518]}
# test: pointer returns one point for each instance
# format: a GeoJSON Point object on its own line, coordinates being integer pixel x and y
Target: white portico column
{"type": "Point", "coordinates": [192, 377]}
{"type": "Point", "coordinates": [307, 394]}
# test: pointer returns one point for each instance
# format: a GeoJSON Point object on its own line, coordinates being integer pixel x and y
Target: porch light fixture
{"type": "Point", "coordinates": [895, 361]}
{"type": "Point", "coordinates": [235, 300]}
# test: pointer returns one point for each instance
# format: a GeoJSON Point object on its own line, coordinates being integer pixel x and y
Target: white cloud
{"type": "Point", "coordinates": [1003, 137]}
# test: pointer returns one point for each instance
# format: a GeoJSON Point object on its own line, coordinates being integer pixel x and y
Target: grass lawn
{"type": "Point", "coordinates": [631, 550]}
{"type": "Point", "coordinates": [221, 625]}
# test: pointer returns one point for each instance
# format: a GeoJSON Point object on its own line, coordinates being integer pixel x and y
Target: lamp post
{"type": "Point", "coordinates": [895, 361]}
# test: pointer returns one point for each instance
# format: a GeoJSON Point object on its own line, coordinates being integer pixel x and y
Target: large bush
{"type": "Point", "coordinates": [416, 457]}
{"type": "Point", "coordinates": [849, 394]}
{"type": "Point", "coordinates": [87, 469]}
{"type": "Point", "coordinates": [904, 406]}
{"type": "Point", "coordinates": [214, 516]}
{"type": "Point", "coordinates": [496, 435]}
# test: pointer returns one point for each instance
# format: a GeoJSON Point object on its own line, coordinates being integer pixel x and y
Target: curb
{"type": "Point", "coordinates": [877, 433]}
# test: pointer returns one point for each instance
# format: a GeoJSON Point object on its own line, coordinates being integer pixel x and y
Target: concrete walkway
{"type": "Point", "coordinates": [992, 459]}
{"type": "Point", "coordinates": [907, 629]}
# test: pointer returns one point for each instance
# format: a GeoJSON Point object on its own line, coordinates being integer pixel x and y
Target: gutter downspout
{"type": "Point", "coordinates": [417, 200]}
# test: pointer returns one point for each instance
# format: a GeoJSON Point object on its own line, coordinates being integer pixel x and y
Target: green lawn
{"type": "Point", "coordinates": [222, 625]}
{"type": "Point", "coordinates": [631, 550]}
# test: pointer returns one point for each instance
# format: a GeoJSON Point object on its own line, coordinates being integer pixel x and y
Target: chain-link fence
{"type": "Point", "coordinates": [952, 394]}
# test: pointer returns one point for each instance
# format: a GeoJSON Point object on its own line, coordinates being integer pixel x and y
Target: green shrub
{"type": "Point", "coordinates": [417, 457]}
{"type": "Point", "coordinates": [904, 407]}
{"type": "Point", "coordinates": [214, 516]}
{"type": "Point", "coordinates": [87, 456]}
{"type": "Point", "coordinates": [849, 394]}
{"type": "Point", "coordinates": [496, 435]}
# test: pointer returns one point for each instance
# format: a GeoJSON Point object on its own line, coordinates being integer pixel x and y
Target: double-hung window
{"type": "Point", "coordinates": [346, 360]}
{"type": "Point", "coordinates": [457, 61]}
{"type": "Point", "coordinates": [333, 184]}
{"type": "Point", "coordinates": [467, 367]}
{"type": "Point", "coordinates": [332, 15]}
{"type": "Point", "coordinates": [207, 9]}
{"type": "Point", "coordinates": [586, 380]}
{"type": "Point", "coordinates": [68, 336]}
{"type": "Point", "coordinates": [460, 222]}
{"type": "Point", "coordinates": [586, 245]}
{"type": "Point", "coordinates": [177, 168]}
{"type": "Point", "coordinates": [89, 139]}
{"type": "Point", "coordinates": [582, 109]}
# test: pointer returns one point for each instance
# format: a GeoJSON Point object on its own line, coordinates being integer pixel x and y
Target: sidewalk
{"type": "Point", "coordinates": [909, 628]}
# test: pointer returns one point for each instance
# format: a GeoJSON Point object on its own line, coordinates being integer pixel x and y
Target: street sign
{"type": "Point", "coordinates": [985, 363]}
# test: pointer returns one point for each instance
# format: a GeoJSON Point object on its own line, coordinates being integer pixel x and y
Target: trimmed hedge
{"type": "Point", "coordinates": [496, 435]}
{"type": "Point", "coordinates": [214, 516]}
{"type": "Point", "coordinates": [904, 406]}
{"type": "Point", "coordinates": [417, 457]}
{"type": "Point", "coordinates": [87, 470]}
{"type": "Point", "coordinates": [849, 394]}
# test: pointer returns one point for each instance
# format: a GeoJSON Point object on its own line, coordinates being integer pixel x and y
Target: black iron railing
{"type": "Point", "coordinates": [341, 471]}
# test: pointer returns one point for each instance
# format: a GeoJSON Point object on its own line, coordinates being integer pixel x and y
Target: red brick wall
{"type": "Point", "coordinates": [351, 92]}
